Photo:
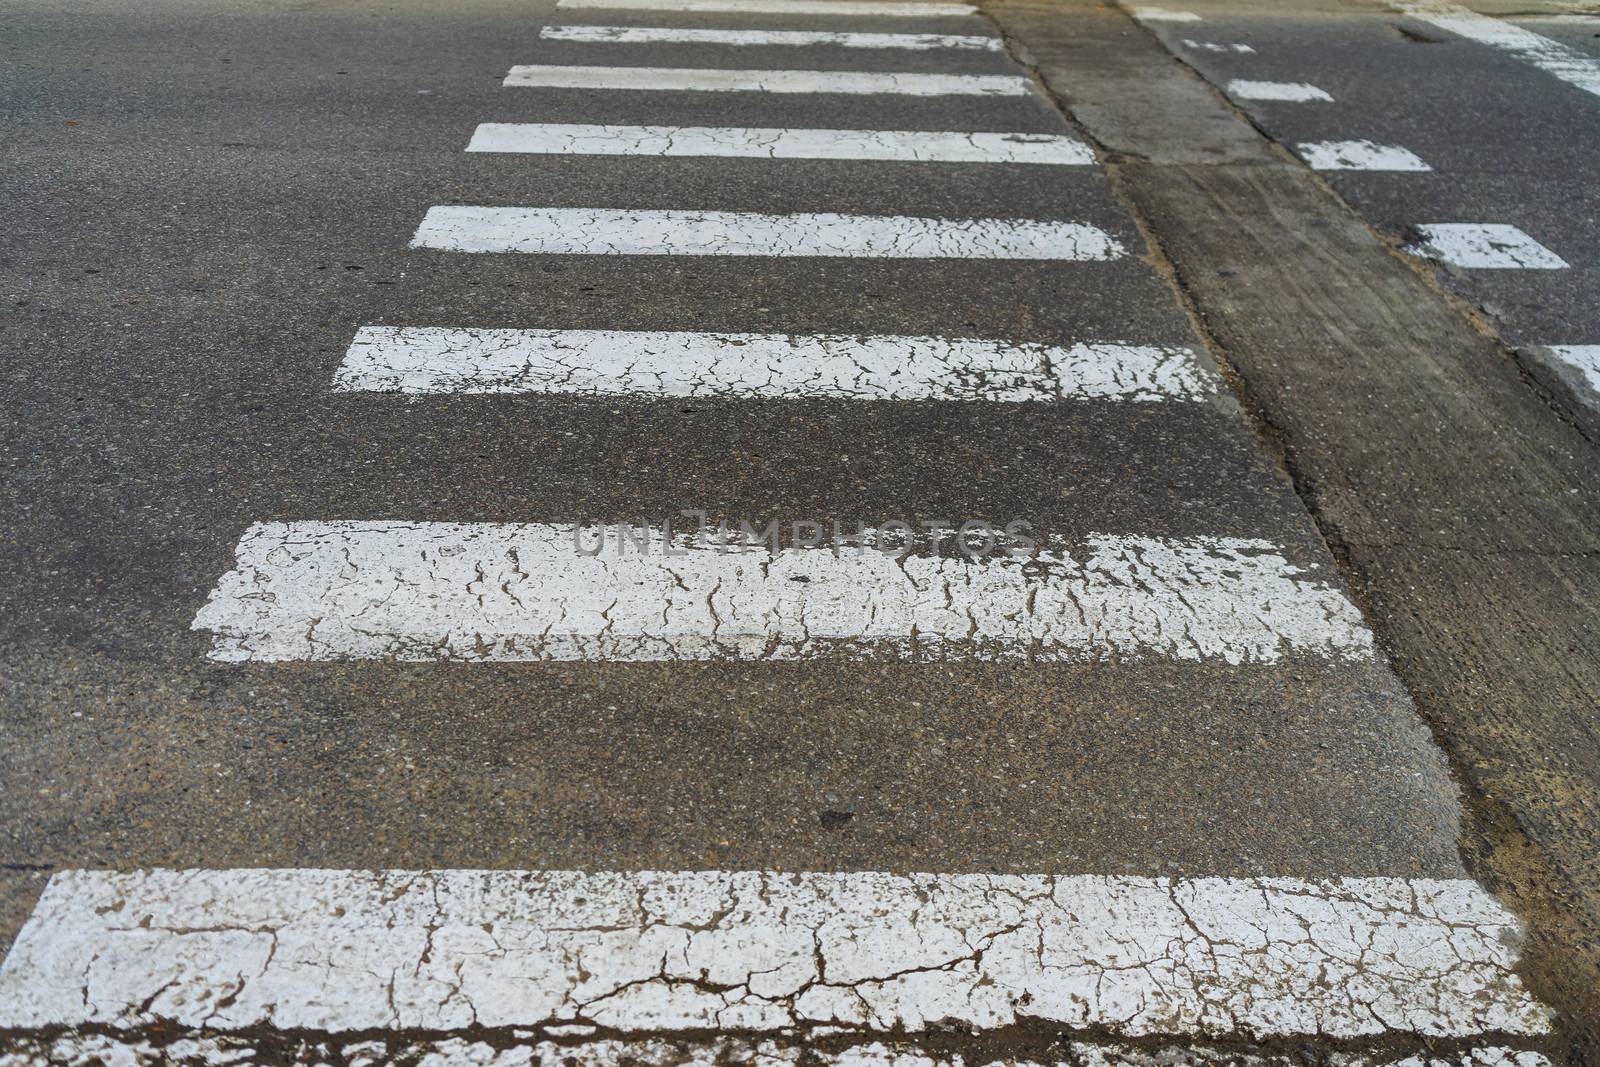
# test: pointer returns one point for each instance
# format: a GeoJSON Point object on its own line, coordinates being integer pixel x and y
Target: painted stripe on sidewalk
{"type": "Point", "coordinates": [1554, 58]}
{"type": "Point", "coordinates": [915, 42]}
{"type": "Point", "coordinates": [620, 232]}
{"type": "Point", "coordinates": [1483, 246]}
{"type": "Point", "coordinates": [713, 80]}
{"type": "Point", "coordinates": [784, 366]}
{"type": "Point", "coordinates": [1289, 92]}
{"type": "Point", "coordinates": [1359, 155]}
{"type": "Point", "coordinates": [912, 146]}
{"type": "Point", "coordinates": [419, 591]}
{"type": "Point", "coordinates": [656, 954]}
{"type": "Point", "coordinates": [782, 7]}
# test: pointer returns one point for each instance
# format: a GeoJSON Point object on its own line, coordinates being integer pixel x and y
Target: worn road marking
{"type": "Point", "coordinates": [1582, 358]}
{"type": "Point", "coordinates": [1161, 14]}
{"type": "Point", "coordinates": [649, 954]}
{"type": "Point", "coordinates": [419, 591]}
{"type": "Point", "coordinates": [1214, 46]}
{"type": "Point", "coordinates": [512, 1050]}
{"type": "Point", "coordinates": [1359, 155]}
{"type": "Point", "coordinates": [602, 231]}
{"type": "Point", "coordinates": [763, 143]}
{"type": "Point", "coordinates": [1484, 246]}
{"type": "Point", "coordinates": [652, 364]}
{"type": "Point", "coordinates": [782, 7]}
{"type": "Point", "coordinates": [1552, 57]}
{"type": "Point", "coordinates": [1291, 92]}
{"type": "Point", "coordinates": [713, 80]}
{"type": "Point", "coordinates": [915, 42]}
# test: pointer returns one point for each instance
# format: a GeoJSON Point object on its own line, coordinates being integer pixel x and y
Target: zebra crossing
{"type": "Point", "coordinates": [1402, 961]}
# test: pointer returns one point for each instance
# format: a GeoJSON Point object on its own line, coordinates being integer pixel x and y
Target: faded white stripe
{"type": "Point", "coordinates": [653, 954]}
{"type": "Point", "coordinates": [1483, 246]}
{"type": "Point", "coordinates": [713, 80]}
{"type": "Point", "coordinates": [1229, 48]}
{"type": "Point", "coordinates": [1552, 57]}
{"type": "Point", "coordinates": [912, 146]}
{"type": "Point", "coordinates": [601, 231]}
{"type": "Point", "coordinates": [1585, 359]}
{"type": "Point", "coordinates": [1359, 155]}
{"type": "Point", "coordinates": [418, 591]}
{"type": "Point", "coordinates": [787, 366]}
{"type": "Point", "coordinates": [782, 7]}
{"type": "Point", "coordinates": [914, 42]}
{"type": "Point", "coordinates": [1291, 92]}
{"type": "Point", "coordinates": [1161, 14]}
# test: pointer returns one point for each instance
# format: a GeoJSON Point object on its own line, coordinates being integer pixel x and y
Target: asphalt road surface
{"type": "Point", "coordinates": [361, 705]}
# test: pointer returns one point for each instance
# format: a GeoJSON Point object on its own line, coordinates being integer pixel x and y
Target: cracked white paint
{"type": "Point", "coordinates": [1227, 48]}
{"type": "Point", "coordinates": [1483, 246]}
{"type": "Point", "coordinates": [1289, 92]}
{"type": "Point", "coordinates": [719, 80]}
{"type": "Point", "coordinates": [527, 1050]}
{"type": "Point", "coordinates": [912, 42]}
{"type": "Point", "coordinates": [783, 7]}
{"type": "Point", "coordinates": [650, 954]}
{"type": "Point", "coordinates": [1560, 60]}
{"type": "Point", "coordinates": [1359, 155]}
{"type": "Point", "coordinates": [1111, 1055]}
{"type": "Point", "coordinates": [418, 591]}
{"type": "Point", "coordinates": [659, 364]}
{"type": "Point", "coordinates": [1585, 359]}
{"type": "Point", "coordinates": [626, 232]}
{"type": "Point", "coordinates": [910, 146]}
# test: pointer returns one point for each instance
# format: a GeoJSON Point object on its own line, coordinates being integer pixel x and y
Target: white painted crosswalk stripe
{"type": "Point", "coordinates": [911, 146]}
{"type": "Point", "coordinates": [1359, 155]}
{"type": "Point", "coordinates": [716, 80]}
{"type": "Point", "coordinates": [414, 1050]}
{"type": "Point", "coordinates": [1288, 92]}
{"type": "Point", "coordinates": [606, 231]}
{"type": "Point", "coordinates": [914, 42]}
{"type": "Point", "coordinates": [1221, 47]}
{"type": "Point", "coordinates": [870, 8]}
{"type": "Point", "coordinates": [657, 954]}
{"type": "Point", "coordinates": [1483, 246]}
{"type": "Point", "coordinates": [418, 591]}
{"type": "Point", "coordinates": [779, 366]}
